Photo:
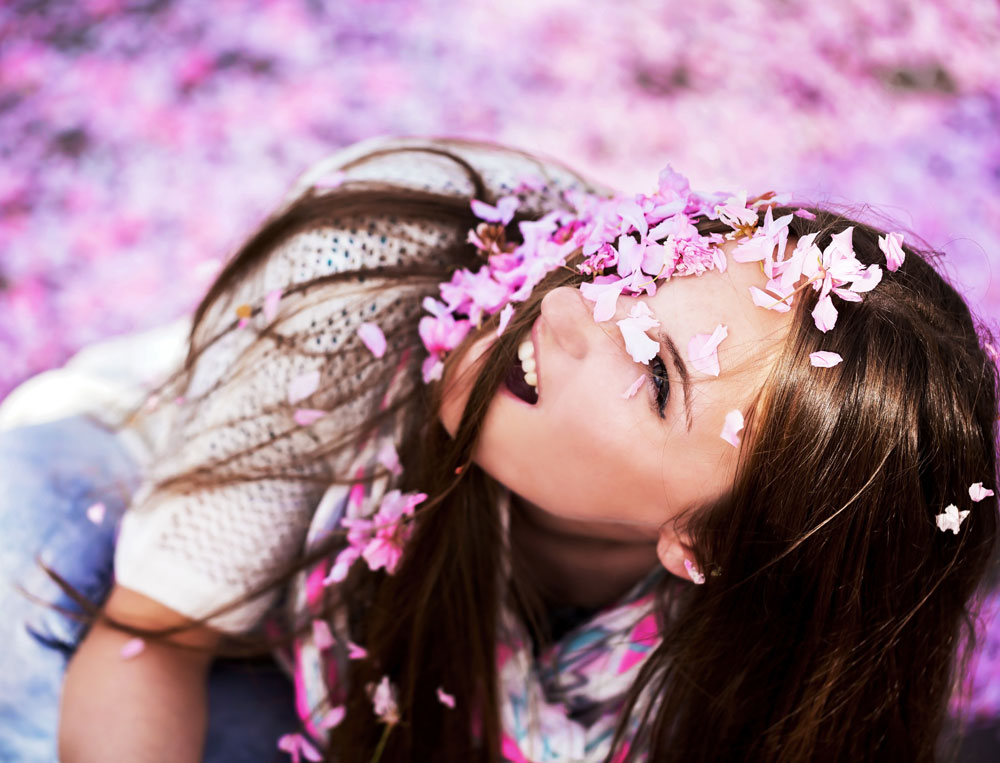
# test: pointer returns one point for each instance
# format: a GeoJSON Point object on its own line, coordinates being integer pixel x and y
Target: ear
{"type": "Point", "coordinates": [673, 549]}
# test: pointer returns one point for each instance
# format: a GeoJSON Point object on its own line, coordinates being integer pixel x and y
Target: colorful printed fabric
{"type": "Point", "coordinates": [561, 706]}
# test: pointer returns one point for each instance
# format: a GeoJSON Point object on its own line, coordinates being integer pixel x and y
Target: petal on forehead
{"type": "Point", "coordinates": [703, 350]}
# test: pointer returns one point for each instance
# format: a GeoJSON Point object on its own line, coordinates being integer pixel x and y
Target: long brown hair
{"type": "Point", "coordinates": [833, 627]}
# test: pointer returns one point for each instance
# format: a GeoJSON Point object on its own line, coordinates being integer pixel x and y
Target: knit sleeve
{"type": "Point", "coordinates": [197, 550]}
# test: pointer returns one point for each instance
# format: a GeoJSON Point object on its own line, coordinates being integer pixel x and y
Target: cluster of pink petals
{"type": "Point", "coordinates": [384, 701]}
{"type": "Point", "coordinates": [298, 747]}
{"type": "Point", "coordinates": [380, 539]}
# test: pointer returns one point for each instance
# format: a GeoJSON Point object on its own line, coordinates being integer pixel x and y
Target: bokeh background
{"type": "Point", "coordinates": [142, 139]}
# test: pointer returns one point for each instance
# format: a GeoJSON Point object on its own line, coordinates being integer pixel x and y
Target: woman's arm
{"type": "Point", "coordinates": [152, 707]}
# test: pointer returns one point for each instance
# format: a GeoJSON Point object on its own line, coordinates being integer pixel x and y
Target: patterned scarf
{"type": "Point", "coordinates": [561, 705]}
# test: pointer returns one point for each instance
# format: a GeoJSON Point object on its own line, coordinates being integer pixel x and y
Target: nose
{"type": "Point", "coordinates": [566, 314]}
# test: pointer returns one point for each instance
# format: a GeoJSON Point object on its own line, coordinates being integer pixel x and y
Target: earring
{"type": "Point", "coordinates": [693, 572]}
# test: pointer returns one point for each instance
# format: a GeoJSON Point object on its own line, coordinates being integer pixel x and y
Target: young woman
{"type": "Point", "coordinates": [502, 467]}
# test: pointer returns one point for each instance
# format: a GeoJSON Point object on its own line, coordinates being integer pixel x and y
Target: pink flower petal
{"type": "Point", "coordinates": [731, 427]}
{"type": "Point", "coordinates": [333, 718]}
{"type": "Point", "coordinates": [355, 652]}
{"type": "Point", "coordinates": [634, 386]}
{"type": "Point", "coordinates": [892, 248]}
{"type": "Point", "coordinates": [805, 214]}
{"type": "Point", "coordinates": [950, 519]}
{"type": "Point", "coordinates": [373, 338]}
{"type": "Point", "coordinates": [634, 328]}
{"type": "Point", "coordinates": [824, 359]}
{"type": "Point", "coordinates": [95, 513]}
{"type": "Point", "coordinates": [703, 350]}
{"type": "Point", "coordinates": [445, 699]}
{"type": "Point", "coordinates": [302, 386]}
{"type": "Point", "coordinates": [825, 314]}
{"type": "Point", "coordinates": [768, 301]}
{"type": "Point", "coordinates": [305, 417]}
{"type": "Point", "coordinates": [977, 492]}
{"type": "Point", "coordinates": [389, 458]}
{"type": "Point", "coordinates": [132, 648]}
{"type": "Point", "coordinates": [322, 636]}
{"type": "Point", "coordinates": [505, 315]}
{"type": "Point", "coordinates": [693, 572]}
{"type": "Point", "coordinates": [271, 304]}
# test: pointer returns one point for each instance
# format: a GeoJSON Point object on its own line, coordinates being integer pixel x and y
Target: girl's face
{"type": "Point", "coordinates": [610, 465]}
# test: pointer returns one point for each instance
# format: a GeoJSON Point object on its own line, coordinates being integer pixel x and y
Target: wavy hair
{"type": "Point", "coordinates": [835, 626]}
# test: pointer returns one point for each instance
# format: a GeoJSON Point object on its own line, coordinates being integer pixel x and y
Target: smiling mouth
{"type": "Point", "coordinates": [519, 379]}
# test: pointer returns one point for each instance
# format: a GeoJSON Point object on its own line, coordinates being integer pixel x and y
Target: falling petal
{"type": "Point", "coordinates": [977, 492]}
{"type": "Point", "coordinates": [305, 417]}
{"type": "Point", "coordinates": [824, 359]}
{"type": "Point", "coordinates": [634, 386]}
{"type": "Point", "coordinates": [322, 635]}
{"type": "Point", "coordinates": [373, 338]}
{"type": "Point", "coordinates": [731, 427]}
{"type": "Point", "coordinates": [271, 304]}
{"type": "Point", "coordinates": [333, 718]}
{"type": "Point", "coordinates": [825, 314]}
{"type": "Point", "coordinates": [505, 316]}
{"type": "Point", "coordinates": [702, 350]}
{"type": "Point", "coordinates": [389, 458]}
{"type": "Point", "coordinates": [445, 699]}
{"type": "Point", "coordinates": [132, 648]}
{"type": "Point", "coordinates": [303, 386]}
{"type": "Point", "coordinates": [355, 652]}
{"type": "Point", "coordinates": [950, 519]}
{"type": "Point", "coordinates": [95, 513]}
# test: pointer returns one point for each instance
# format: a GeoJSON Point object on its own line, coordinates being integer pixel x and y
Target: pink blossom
{"type": "Point", "coordinates": [373, 338]}
{"type": "Point", "coordinates": [502, 213]}
{"type": "Point", "coordinates": [892, 248]}
{"type": "Point", "coordinates": [703, 350]}
{"type": "Point", "coordinates": [977, 492]}
{"type": "Point", "coordinates": [824, 359]}
{"type": "Point", "coordinates": [333, 718]}
{"type": "Point", "coordinates": [384, 701]}
{"type": "Point", "coordinates": [298, 746]}
{"type": "Point", "coordinates": [604, 292]}
{"type": "Point", "coordinates": [302, 386]}
{"type": "Point", "coordinates": [355, 652]}
{"type": "Point", "coordinates": [445, 699]}
{"type": "Point", "coordinates": [825, 314]}
{"type": "Point", "coordinates": [634, 329]}
{"type": "Point", "coordinates": [305, 417]}
{"type": "Point", "coordinates": [732, 426]}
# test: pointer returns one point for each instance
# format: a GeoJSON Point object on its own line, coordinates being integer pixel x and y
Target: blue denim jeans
{"type": "Point", "coordinates": [49, 475]}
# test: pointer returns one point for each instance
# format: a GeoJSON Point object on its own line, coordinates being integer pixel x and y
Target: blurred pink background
{"type": "Point", "coordinates": [142, 140]}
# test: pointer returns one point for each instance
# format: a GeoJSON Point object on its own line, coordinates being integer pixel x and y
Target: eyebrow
{"type": "Point", "coordinates": [681, 370]}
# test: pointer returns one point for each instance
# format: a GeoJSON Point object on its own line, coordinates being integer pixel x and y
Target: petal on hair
{"type": "Point", "coordinates": [505, 316]}
{"type": "Point", "coordinates": [732, 426]}
{"type": "Point", "coordinates": [322, 636]}
{"type": "Point", "coordinates": [825, 314]}
{"type": "Point", "coordinates": [634, 386]}
{"type": "Point", "coordinates": [977, 492]}
{"type": "Point", "coordinates": [703, 350]}
{"type": "Point", "coordinates": [95, 513]}
{"type": "Point", "coordinates": [333, 718]}
{"type": "Point", "coordinates": [355, 652]}
{"type": "Point", "coordinates": [132, 647]}
{"type": "Point", "coordinates": [303, 386]}
{"type": "Point", "coordinates": [805, 214]}
{"type": "Point", "coordinates": [432, 368]}
{"type": "Point", "coordinates": [373, 338]}
{"type": "Point", "coordinates": [388, 457]}
{"type": "Point", "coordinates": [950, 519]}
{"type": "Point", "coordinates": [867, 279]}
{"type": "Point", "coordinates": [846, 294]}
{"type": "Point", "coordinates": [445, 698]}
{"type": "Point", "coordinates": [271, 304]}
{"type": "Point", "coordinates": [824, 359]}
{"type": "Point", "coordinates": [305, 417]}
{"type": "Point", "coordinates": [502, 213]}
{"type": "Point", "coordinates": [892, 248]}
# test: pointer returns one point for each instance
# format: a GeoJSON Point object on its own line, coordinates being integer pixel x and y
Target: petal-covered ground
{"type": "Point", "coordinates": [142, 139]}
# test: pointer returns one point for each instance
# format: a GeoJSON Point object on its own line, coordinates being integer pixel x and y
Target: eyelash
{"type": "Point", "coordinates": [658, 374]}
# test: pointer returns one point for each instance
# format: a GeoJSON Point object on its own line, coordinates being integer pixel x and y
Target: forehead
{"type": "Point", "coordinates": [690, 305]}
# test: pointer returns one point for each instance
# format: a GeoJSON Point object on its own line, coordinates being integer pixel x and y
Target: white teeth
{"type": "Point", "coordinates": [526, 354]}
